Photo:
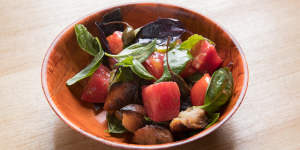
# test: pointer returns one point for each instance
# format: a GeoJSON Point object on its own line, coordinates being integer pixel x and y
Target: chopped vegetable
{"type": "Point", "coordinates": [199, 90]}
{"type": "Point", "coordinates": [152, 134]}
{"type": "Point", "coordinates": [192, 118]}
{"type": "Point", "coordinates": [115, 42]}
{"type": "Point", "coordinates": [206, 58]}
{"type": "Point", "coordinates": [97, 88]}
{"type": "Point", "coordinates": [132, 120]}
{"type": "Point", "coordinates": [155, 64]}
{"type": "Point", "coordinates": [161, 101]}
{"type": "Point", "coordinates": [120, 95]}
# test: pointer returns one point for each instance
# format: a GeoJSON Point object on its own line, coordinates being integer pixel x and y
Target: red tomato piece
{"type": "Point", "coordinates": [115, 42]}
{"type": "Point", "coordinates": [206, 58]}
{"type": "Point", "coordinates": [155, 64]}
{"type": "Point", "coordinates": [97, 88]}
{"type": "Point", "coordinates": [162, 101]}
{"type": "Point", "coordinates": [188, 70]}
{"type": "Point", "coordinates": [198, 91]}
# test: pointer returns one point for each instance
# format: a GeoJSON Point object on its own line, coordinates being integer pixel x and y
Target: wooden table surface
{"type": "Point", "coordinates": [267, 30]}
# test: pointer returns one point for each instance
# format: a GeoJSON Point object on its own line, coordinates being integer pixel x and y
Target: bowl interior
{"type": "Point", "coordinates": [64, 59]}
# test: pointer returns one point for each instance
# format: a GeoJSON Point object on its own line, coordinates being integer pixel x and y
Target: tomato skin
{"type": "Point", "coordinates": [162, 101]}
{"type": "Point", "coordinates": [97, 87]}
{"type": "Point", "coordinates": [115, 42]}
{"type": "Point", "coordinates": [155, 64]}
{"type": "Point", "coordinates": [198, 91]}
{"type": "Point", "coordinates": [206, 58]}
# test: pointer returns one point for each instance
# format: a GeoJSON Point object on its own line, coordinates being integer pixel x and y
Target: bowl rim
{"type": "Point", "coordinates": [136, 146]}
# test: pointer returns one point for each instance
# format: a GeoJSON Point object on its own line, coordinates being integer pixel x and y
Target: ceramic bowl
{"type": "Point", "coordinates": [64, 58]}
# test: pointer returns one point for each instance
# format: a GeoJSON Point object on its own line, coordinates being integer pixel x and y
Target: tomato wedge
{"type": "Point", "coordinates": [162, 101]}
{"type": "Point", "coordinates": [97, 88]}
{"type": "Point", "coordinates": [155, 64]}
{"type": "Point", "coordinates": [198, 91]}
{"type": "Point", "coordinates": [206, 58]}
{"type": "Point", "coordinates": [115, 42]}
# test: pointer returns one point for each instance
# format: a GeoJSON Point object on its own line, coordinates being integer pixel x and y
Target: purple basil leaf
{"type": "Point", "coordinates": [102, 38]}
{"type": "Point", "coordinates": [161, 29]}
{"type": "Point", "coordinates": [114, 15]}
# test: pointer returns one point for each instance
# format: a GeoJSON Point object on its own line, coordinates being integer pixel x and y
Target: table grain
{"type": "Point", "coordinates": [267, 30]}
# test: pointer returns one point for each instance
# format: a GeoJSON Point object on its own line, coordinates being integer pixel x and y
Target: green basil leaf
{"type": "Point", "coordinates": [138, 51]}
{"type": "Point", "coordinates": [92, 46]}
{"type": "Point", "coordinates": [114, 125]}
{"type": "Point", "coordinates": [219, 90]}
{"type": "Point", "coordinates": [177, 61]}
{"type": "Point", "coordinates": [140, 70]}
{"type": "Point", "coordinates": [212, 119]}
{"type": "Point", "coordinates": [127, 62]}
{"type": "Point", "coordinates": [86, 40]}
{"type": "Point", "coordinates": [88, 70]}
{"type": "Point", "coordinates": [123, 74]}
{"type": "Point", "coordinates": [192, 41]}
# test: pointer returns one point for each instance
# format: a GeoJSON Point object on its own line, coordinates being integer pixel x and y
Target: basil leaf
{"type": "Point", "coordinates": [102, 37]}
{"type": "Point", "coordinates": [138, 51]}
{"type": "Point", "coordinates": [192, 41]}
{"type": "Point", "coordinates": [88, 70]}
{"type": "Point", "coordinates": [127, 62]}
{"type": "Point", "coordinates": [212, 119]}
{"type": "Point", "coordinates": [136, 67]}
{"type": "Point", "coordinates": [177, 61]}
{"type": "Point", "coordinates": [161, 29]}
{"type": "Point", "coordinates": [141, 71]}
{"type": "Point", "coordinates": [123, 74]}
{"type": "Point", "coordinates": [219, 90]}
{"type": "Point", "coordinates": [114, 15]}
{"type": "Point", "coordinates": [114, 125]}
{"type": "Point", "coordinates": [86, 40]}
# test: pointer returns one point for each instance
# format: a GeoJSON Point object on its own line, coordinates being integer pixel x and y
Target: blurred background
{"type": "Point", "coordinates": [267, 30]}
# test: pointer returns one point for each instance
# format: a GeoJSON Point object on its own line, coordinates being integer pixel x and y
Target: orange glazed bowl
{"type": "Point", "coordinates": [64, 58]}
